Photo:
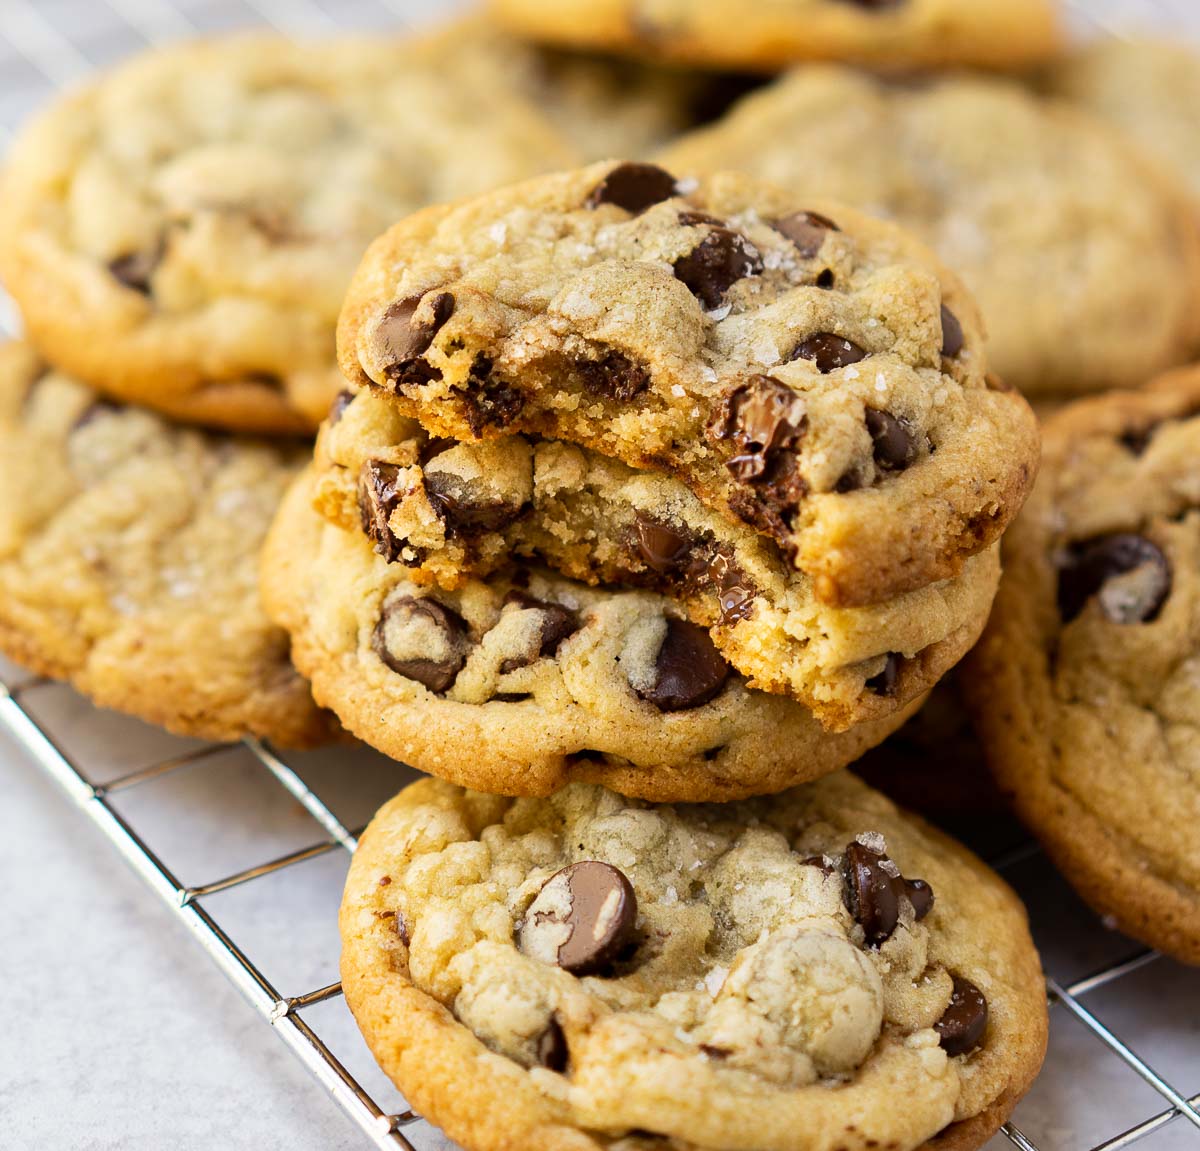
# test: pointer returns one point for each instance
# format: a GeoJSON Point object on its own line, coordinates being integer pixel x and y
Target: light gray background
{"type": "Point", "coordinates": [119, 1033]}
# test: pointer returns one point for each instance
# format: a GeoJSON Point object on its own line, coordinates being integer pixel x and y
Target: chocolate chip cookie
{"type": "Point", "coordinates": [527, 681]}
{"type": "Point", "coordinates": [768, 36]}
{"type": "Point", "coordinates": [1148, 88]}
{"type": "Point", "coordinates": [128, 561]}
{"type": "Point", "coordinates": [450, 510]}
{"type": "Point", "coordinates": [181, 231]}
{"type": "Point", "coordinates": [1085, 686]}
{"type": "Point", "coordinates": [804, 369]}
{"type": "Point", "coordinates": [1084, 260]}
{"type": "Point", "coordinates": [593, 972]}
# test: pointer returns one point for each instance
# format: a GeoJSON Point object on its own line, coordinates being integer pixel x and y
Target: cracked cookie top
{"type": "Point", "coordinates": [801, 367]}
{"type": "Point", "coordinates": [770, 974]}
{"type": "Point", "coordinates": [129, 561]}
{"type": "Point", "coordinates": [1086, 685]}
{"type": "Point", "coordinates": [180, 231]}
{"type": "Point", "coordinates": [1085, 259]}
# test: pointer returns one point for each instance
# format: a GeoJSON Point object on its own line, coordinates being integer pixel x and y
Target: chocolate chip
{"type": "Point", "coordinates": [735, 591]}
{"type": "Point", "coordinates": [762, 416]}
{"type": "Point", "coordinates": [582, 919]}
{"type": "Point", "coordinates": [807, 230]}
{"type": "Point", "coordinates": [401, 339]}
{"type": "Point", "coordinates": [558, 622]}
{"type": "Point", "coordinates": [552, 1049]}
{"type": "Point", "coordinates": [1103, 566]}
{"type": "Point", "coordinates": [920, 895]}
{"type": "Point", "coordinates": [712, 267]}
{"type": "Point", "coordinates": [489, 403]}
{"type": "Point", "coordinates": [825, 278]}
{"type": "Point", "coordinates": [821, 862]}
{"type": "Point", "coordinates": [697, 219]}
{"type": "Point", "coordinates": [895, 446]}
{"type": "Point", "coordinates": [338, 408]}
{"type": "Point", "coordinates": [689, 671]}
{"type": "Point", "coordinates": [402, 929]}
{"type": "Point", "coordinates": [634, 187]}
{"type": "Point", "coordinates": [615, 376]}
{"type": "Point", "coordinates": [884, 682]}
{"type": "Point", "coordinates": [828, 351]}
{"type": "Point", "coordinates": [378, 494]}
{"type": "Point", "coordinates": [462, 515]}
{"type": "Point", "coordinates": [433, 626]}
{"type": "Point", "coordinates": [964, 1023]}
{"type": "Point", "coordinates": [952, 333]}
{"type": "Point", "coordinates": [874, 887]}
{"type": "Point", "coordinates": [136, 270]}
{"type": "Point", "coordinates": [661, 547]}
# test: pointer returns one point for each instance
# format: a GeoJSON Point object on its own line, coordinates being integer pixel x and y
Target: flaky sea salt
{"type": "Point", "coordinates": [715, 980]}
{"type": "Point", "coordinates": [872, 841]}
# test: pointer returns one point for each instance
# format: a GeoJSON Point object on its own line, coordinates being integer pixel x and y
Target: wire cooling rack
{"type": "Point", "coordinates": [246, 820]}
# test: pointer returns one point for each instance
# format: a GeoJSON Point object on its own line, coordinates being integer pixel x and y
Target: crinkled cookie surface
{"type": "Point", "coordinates": [588, 971]}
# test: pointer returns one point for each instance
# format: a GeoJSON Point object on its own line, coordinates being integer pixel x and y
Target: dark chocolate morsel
{"type": "Point", "coordinates": [952, 333]}
{"type": "Point", "coordinates": [884, 682]}
{"type": "Point", "coordinates": [828, 351]}
{"type": "Point", "coordinates": [807, 230]}
{"type": "Point", "coordinates": [712, 267]}
{"type": "Point", "coordinates": [634, 187]}
{"type": "Point", "coordinates": [615, 376]}
{"type": "Point", "coordinates": [136, 270]}
{"type": "Point", "coordinates": [762, 416]}
{"type": "Point", "coordinates": [558, 622]}
{"type": "Point", "coordinates": [552, 1047]}
{"type": "Point", "coordinates": [401, 338]}
{"type": "Point", "coordinates": [964, 1023]}
{"type": "Point", "coordinates": [462, 516]}
{"type": "Point", "coordinates": [378, 495]}
{"type": "Point", "coordinates": [1092, 564]}
{"type": "Point", "coordinates": [662, 547]}
{"type": "Point", "coordinates": [689, 671]}
{"type": "Point", "coordinates": [920, 895]}
{"type": "Point", "coordinates": [436, 672]}
{"type": "Point", "coordinates": [338, 408]}
{"type": "Point", "coordinates": [874, 888]}
{"type": "Point", "coordinates": [894, 445]}
{"type": "Point", "coordinates": [582, 919]}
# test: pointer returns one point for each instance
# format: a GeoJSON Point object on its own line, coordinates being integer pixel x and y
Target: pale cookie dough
{"type": "Point", "coordinates": [450, 511]}
{"type": "Point", "coordinates": [801, 367]}
{"type": "Point", "coordinates": [1086, 687]}
{"type": "Point", "coordinates": [771, 34]}
{"type": "Point", "coordinates": [180, 231]}
{"type": "Point", "coordinates": [1084, 257]}
{"type": "Point", "coordinates": [813, 972]}
{"type": "Point", "coordinates": [129, 558]}
{"type": "Point", "coordinates": [527, 681]}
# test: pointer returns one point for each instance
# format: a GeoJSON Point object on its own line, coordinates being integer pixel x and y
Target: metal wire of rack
{"type": "Point", "coordinates": [53, 46]}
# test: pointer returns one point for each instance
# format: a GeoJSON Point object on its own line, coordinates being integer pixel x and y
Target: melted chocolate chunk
{"type": "Point", "coordinates": [895, 445]}
{"type": "Point", "coordinates": [401, 338]}
{"type": "Point", "coordinates": [762, 417]}
{"type": "Point", "coordinates": [582, 919]}
{"type": "Point", "coordinates": [1092, 567]}
{"type": "Point", "coordinates": [807, 230]}
{"type": "Point", "coordinates": [964, 1023]}
{"type": "Point", "coordinates": [828, 351]}
{"type": "Point", "coordinates": [717, 263]}
{"type": "Point", "coordinates": [463, 516]}
{"type": "Point", "coordinates": [378, 495]}
{"type": "Point", "coordinates": [490, 403]}
{"type": "Point", "coordinates": [884, 683]}
{"type": "Point", "coordinates": [338, 408]}
{"type": "Point", "coordinates": [662, 548]}
{"type": "Point", "coordinates": [874, 888]}
{"type": "Point", "coordinates": [552, 1047]}
{"type": "Point", "coordinates": [438, 672]}
{"type": "Point", "coordinates": [136, 270]}
{"type": "Point", "coordinates": [952, 333]}
{"type": "Point", "coordinates": [558, 622]}
{"type": "Point", "coordinates": [634, 187]}
{"type": "Point", "coordinates": [615, 376]}
{"type": "Point", "coordinates": [689, 671]}
{"type": "Point", "coordinates": [735, 592]}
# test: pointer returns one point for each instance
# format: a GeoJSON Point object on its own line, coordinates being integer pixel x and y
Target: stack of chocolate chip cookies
{"type": "Point", "coordinates": [661, 470]}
